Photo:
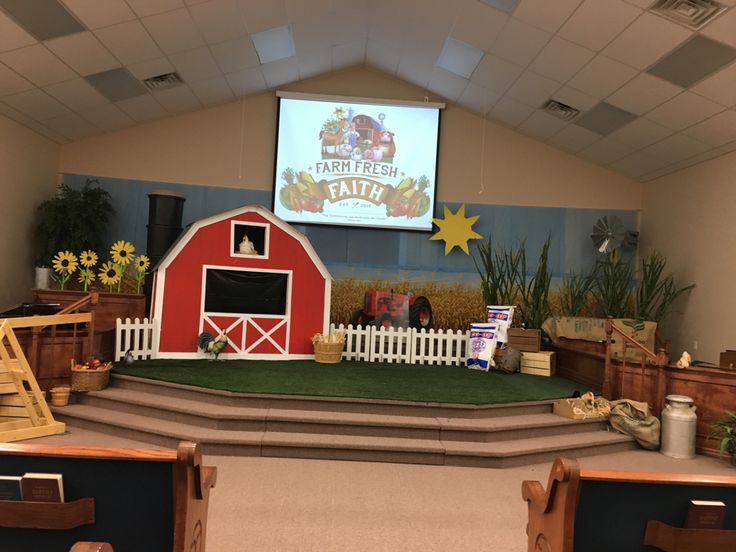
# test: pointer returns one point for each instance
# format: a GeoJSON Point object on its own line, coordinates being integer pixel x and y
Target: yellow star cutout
{"type": "Point", "coordinates": [456, 230]}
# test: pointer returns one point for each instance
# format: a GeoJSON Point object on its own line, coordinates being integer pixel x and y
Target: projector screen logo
{"type": "Point", "coordinates": [355, 170]}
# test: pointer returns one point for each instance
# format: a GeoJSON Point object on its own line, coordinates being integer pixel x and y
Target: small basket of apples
{"type": "Point", "coordinates": [93, 375]}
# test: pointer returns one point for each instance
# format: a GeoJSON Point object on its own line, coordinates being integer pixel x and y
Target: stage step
{"type": "Point", "coordinates": [348, 429]}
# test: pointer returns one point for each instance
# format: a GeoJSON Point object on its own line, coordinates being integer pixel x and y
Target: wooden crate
{"type": "Point", "coordinates": [538, 364]}
{"type": "Point", "coordinates": [525, 340]}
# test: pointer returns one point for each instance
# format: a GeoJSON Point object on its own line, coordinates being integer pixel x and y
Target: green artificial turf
{"type": "Point", "coordinates": [374, 380]}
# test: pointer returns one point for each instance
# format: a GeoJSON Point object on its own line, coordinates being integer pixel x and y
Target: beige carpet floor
{"type": "Point", "coordinates": [284, 505]}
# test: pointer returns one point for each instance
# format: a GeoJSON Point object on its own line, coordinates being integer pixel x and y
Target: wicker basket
{"type": "Point", "coordinates": [328, 353]}
{"type": "Point", "coordinates": [90, 380]}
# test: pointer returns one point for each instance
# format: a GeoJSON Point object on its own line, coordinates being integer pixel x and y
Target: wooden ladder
{"type": "Point", "coordinates": [24, 413]}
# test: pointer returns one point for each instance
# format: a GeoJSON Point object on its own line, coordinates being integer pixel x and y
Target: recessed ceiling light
{"type": "Point", "coordinates": [691, 13]}
{"type": "Point", "coordinates": [507, 6]}
{"type": "Point", "coordinates": [696, 59]}
{"type": "Point", "coordinates": [116, 84]}
{"type": "Point", "coordinates": [44, 19]}
{"type": "Point", "coordinates": [459, 58]}
{"type": "Point", "coordinates": [274, 44]}
{"type": "Point", "coordinates": [605, 118]}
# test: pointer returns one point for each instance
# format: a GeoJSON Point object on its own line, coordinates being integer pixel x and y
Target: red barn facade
{"type": "Point", "coordinates": [270, 295]}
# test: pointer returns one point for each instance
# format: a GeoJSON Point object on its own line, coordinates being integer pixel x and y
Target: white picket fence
{"type": "Point", "coordinates": [137, 336]}
{"type": "Point", "coordinates": [372, 344]}
{"type": "Point", "coordinates": [409, 345]}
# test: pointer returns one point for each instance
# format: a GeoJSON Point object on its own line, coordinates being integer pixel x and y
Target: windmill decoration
{"type": "Point", "coordinates": [610, 234]}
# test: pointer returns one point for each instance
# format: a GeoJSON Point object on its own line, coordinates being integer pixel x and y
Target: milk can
{"type": "Point", "coordinates": [678, 427]}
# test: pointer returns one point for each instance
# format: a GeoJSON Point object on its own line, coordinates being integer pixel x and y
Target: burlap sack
{"type": "Point", "coordinates": [633, 418]}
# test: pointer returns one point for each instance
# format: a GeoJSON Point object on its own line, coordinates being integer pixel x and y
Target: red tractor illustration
{"type": "Point", "coordinates": [389, 309]}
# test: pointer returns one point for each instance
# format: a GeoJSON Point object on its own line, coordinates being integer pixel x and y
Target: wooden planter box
{"type": "Point", "coordinates": [110, 306]}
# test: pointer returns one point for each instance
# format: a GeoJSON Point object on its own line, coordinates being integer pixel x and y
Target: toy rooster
{"type": "Point", "coordinates": [208, 343]}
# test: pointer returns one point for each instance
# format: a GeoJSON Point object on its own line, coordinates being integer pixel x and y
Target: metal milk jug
{"type": "Point", "coordinates": [678, 427]}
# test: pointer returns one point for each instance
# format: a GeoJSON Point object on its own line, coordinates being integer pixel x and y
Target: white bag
{"type": "Point", "coordinates": [502, 317]}
{"type": "Point", "coordinates": [481, 346]}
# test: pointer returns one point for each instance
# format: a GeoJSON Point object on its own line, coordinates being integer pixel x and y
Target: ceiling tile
{"type": "Point", "coordinates": [416, 69]}
{"type": "Point", "coordinates": [716, 131]}
{"type": "Point", "coordinates": [195, 64]}
{"type": "Point", "coordinates": [305, 9]}
{"type": "Point", "coordinates": [676, 148]}
{"type": "Point", "coordinates": [721, 87]}
{"type": "Point", "coordinates": [640, 133]}
{"type": "Point", "coordinates": [11, 82]}
{"type": "Point", "coordinates": [314, 63]}
{"type": "Point", "coordinates": [642, 93]}
{"type": "Point", "coordinates": [693, 61]}
{"type": "Point", "coordinates": [545, 14]}
{"type": "Point", "coordinates": [605, 151]}
{"type": "Point", "coordinates": [100, 13]}
{"type": "Point", "coordinates": [129, 42]}
{"type": "Point", "coordinates": [43, 130]}
{"type": "Point", "coordinates": [684, 110]}
{"type": "Point", "coordinates": [76, 94]}
{"type": "Point", "coordinates": [44, 19]}
{"type": "Point", "coordinates": [219, 20]}
{"type": "Point", "coordinates": [246, 81]}
{"type": "Point", "coordinates": [695, 159]}
{"type": "Point", "coordinates": [575, 98]}
{"type": "Point", "coordinates": [533, 89]}
{"type": "Point", "coordinates": [151, 7]}
{"type": "Point", "coordinates": [71, 126]}
{"type": "Point", "coordinates": [346, 28]}
{"type": "Point", "coordinates": [561, 59]}
{"type": "Point", "coordinates": [723, 28]}
{"type": "Point", "coordinates": [604, 118]}
{"type": "Point", "coordinates": [597, 22]}
{"type": "Point", "coordinates": [479, 26]}
{"type": "Point", "coordinates": [280, 72]}
{"type": "Point", "coordinates": [235, 55]}
{"type": "Point", "coordinates": [174, 31]}
{"type": "Point", "coordinates": [389, 33]}
{"type": "Point", "coordinates": [496, 74]}
{"type": "Point", "coordinates": [511, 112]}
{"type": "Point", "coordinates": [143, 108]}
{"type": "Point", "coordinates": [38, 65]}
{"type": "Point", "coordinates": [446, 84]}
{"type": "Point", "coordinates": [12, 36]}
{"type": "Point", "coordinates": [348, 54]}
{"type": "Point", "coordinates": [16, 115]}
{"type": "Point", "coordinates": [108, 117]}
{"type": "Point", "coordinates": [116, 84]}
{"type": "Point", "coordinates": [542, 125]}
{"type": "Point", "coordinates": [519, 42]}
{"type": "Point", "coordinates": [37, 104]}
{"type": "Point", "coordinates": [83, 53]}
{"type": "Point", "coordinates": [644, 4]}
{"type": "Point", "coordinates": [478, 98]}
{"type": "Point", "coordinates": [177, 100]}
{"type": "Point", "coordinates": [212, 91]}
{"type": "Point", "coordinates": [260, 16]}
{"type": "Point", "coordinates": [274, 44]}
{"type": "Point", "coordinates": [638, 164]}
{"type": "Point", "coordinates": [574, 138]}
{"type": "Point", "coordinates": [151, 68]}
{"type": "Point", "coordinates": [602, 76]}
{"type": "Point", "coordinates": [635, 46]}
{"type": "Point", "coordinates": [731, 146]}
{"type": "Point", "coordinates": [507, 6]}
{"type": "Point", "coordinates": [311, 34]}
{"type": "Point", "coordinates": [381, 56]}
{"type": "Point", "coordinates": [459, 58]}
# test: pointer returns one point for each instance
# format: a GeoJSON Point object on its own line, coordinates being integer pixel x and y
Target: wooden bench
{"type": "Point", "coordinates": [137, 500]}
{"type": "Point", "coordinates": [599, 511]}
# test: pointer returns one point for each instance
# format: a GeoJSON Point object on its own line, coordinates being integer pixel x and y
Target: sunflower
{"type": "Point", "coordinates": [86, 277]}
{"type": "Point", "coordinates": [65, 262]}
{"type": "Point", "coordinates": [109, 274]}
{"type": "Point", "coordinates": [88, 258]}
{"type": "Point", "coordinates": [142, 263]}
{"type": "Point", "coordinates": [122, 252]}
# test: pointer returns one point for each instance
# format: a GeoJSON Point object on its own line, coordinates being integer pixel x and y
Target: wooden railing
{"type": "Point", "coordinates": [613, 378]}
{"type": "Point", "coordinates": [45, 328]}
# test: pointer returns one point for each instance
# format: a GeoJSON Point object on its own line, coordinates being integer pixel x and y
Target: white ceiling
{"type": "Point", "coordinates": [579, 52]}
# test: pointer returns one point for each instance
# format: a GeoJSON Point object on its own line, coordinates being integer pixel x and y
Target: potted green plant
{"type": "Point", "coordinates": [725, 430]}
{"type": "Point", "coordinates": [73, 220]}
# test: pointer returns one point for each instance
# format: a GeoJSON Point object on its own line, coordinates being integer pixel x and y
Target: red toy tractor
{"type": "Point", "coordinates": [386, 308]}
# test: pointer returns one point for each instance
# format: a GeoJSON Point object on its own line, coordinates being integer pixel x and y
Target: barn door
{"type": "Point", "coordinates": [252, 306]}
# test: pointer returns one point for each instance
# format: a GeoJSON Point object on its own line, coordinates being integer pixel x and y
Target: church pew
{"type": "Point", "coordinates": [599, 511]}
{"type": "Point", "coordinates": [130, 500]}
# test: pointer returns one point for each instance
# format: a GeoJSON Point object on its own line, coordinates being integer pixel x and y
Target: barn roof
{"type": "Point", "coordinates": [194, 227]}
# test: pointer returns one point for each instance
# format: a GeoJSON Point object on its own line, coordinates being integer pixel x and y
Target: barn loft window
{"type": "Point", "coordinates": [249, 239]}
{"type": "Point", "coordinates": [245, 292]}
